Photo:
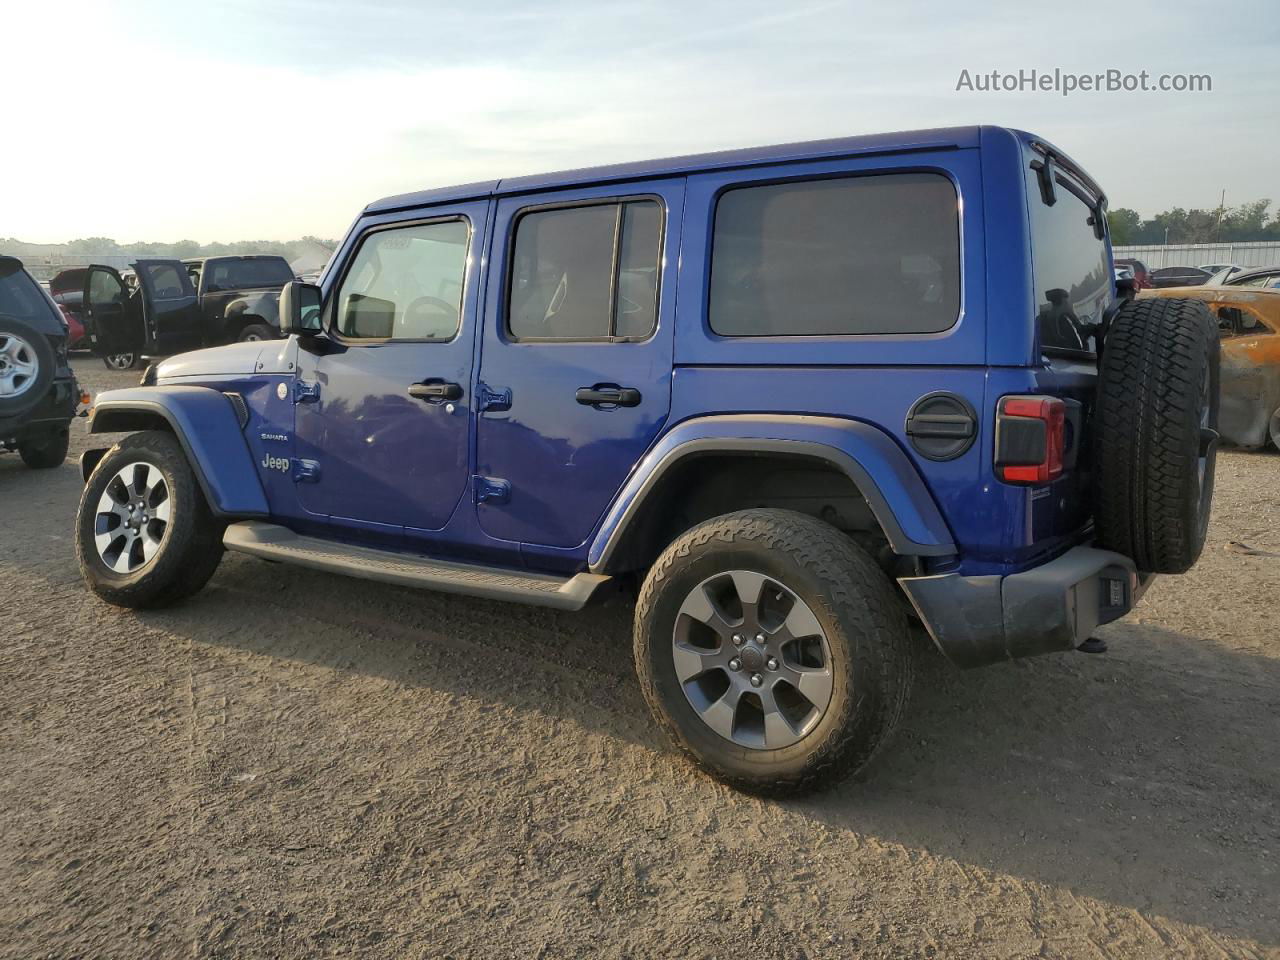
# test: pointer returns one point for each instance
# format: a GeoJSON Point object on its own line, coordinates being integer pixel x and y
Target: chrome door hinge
{"type": "Point", "coordinates": [491, 490]}
{"type": "Point", "coordinates": [305, 391]}
{"type": "Point", "coordinates": [488, 398]}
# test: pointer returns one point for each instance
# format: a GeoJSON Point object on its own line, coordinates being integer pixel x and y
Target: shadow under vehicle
{"type": "Point", "coordinates": [180, 305]}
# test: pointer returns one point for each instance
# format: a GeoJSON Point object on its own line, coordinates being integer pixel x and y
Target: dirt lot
{"type": "Point", "coordinates": [296, 765]}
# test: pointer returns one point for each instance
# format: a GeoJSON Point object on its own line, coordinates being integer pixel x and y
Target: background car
{"type": "Point", "coordinates": [67, 290]}
{"type": "Point", "coordinates": [1178, 277]}
{"type": "Point", "coordinates": [1218, 267]}
{"type": "Point", "coordinates": [1139, 270]}
{"type": "Point", "coordinates": [1266, 277]}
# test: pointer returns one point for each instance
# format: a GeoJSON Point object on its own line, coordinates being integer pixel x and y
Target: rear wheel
{"type": "Point", "coordinates": [773, 650]}
{"type": "Point", "coordinates": [1275, 430]}
{"type": "Point", "coordinates": [1155, 433]}
{"type": "Point", "coordinates": [256, 331]}
{"type": "Point", "coordinates": [26, 366]}
{"type": "Point", "coordinates": [144, 534]}
{"type": "Point", "coordinates": [122, 361]}
{"type": "Point", "coordinates": [46, 451]}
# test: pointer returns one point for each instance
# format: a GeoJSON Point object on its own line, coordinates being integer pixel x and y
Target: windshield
{"type": "Point", "coordinates": [238, 274]}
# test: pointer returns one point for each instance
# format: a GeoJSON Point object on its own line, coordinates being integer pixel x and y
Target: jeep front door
{"type": "Point", "coordinates": [384, 398]}
{"type": "Point", "coordinates": [576, 355]}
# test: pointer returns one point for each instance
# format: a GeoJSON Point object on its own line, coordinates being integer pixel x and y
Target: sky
{"type": "Point", "coordinates": [252, 119]}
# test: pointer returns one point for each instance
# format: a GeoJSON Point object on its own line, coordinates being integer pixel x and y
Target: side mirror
{"type": "Point", "coordinates": [300, 309]}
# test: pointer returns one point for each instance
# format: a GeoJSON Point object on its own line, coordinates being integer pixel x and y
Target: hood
{"type": "Point", "coordinates": [235, 359]}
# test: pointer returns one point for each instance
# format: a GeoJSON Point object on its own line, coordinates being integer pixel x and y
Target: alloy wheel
{"type": "Point", "coordinates": [119, 361]}
{"type": "Point", "coordinates": [752, 659]}
{"type": "Point", "coordinates": [18, 366]}
{"type": "Point", "coordinates": [132, 517]}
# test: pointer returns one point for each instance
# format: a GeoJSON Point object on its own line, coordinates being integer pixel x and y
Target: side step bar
{"type": "Point", "coordinates": [273, 542]}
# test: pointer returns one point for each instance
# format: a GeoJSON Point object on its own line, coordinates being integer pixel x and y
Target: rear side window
{"type": "Point", "coordinates": [1072, 282]}
{"type": "Point", "coordinates": [239, 274]}
{"type": "Point", "coordinates": [165, 279]}
{"type": "Point", "coordinates": [862, 255]}
{"type": "Point", "coordinates": [586, 272]}
{"type": "Point", "coordinates": [20, 297]}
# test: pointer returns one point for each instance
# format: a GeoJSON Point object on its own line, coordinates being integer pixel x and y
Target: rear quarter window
{"type": "Point", "coordinates": [1071, 280]}
{"type": "Point", "coordinates": [877, 254]}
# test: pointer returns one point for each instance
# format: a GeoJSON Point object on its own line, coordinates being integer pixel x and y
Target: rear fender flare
{"type": "Point", "coordinates": [882, 472]}
{"type": "Point", "coordinates": [207, 426]}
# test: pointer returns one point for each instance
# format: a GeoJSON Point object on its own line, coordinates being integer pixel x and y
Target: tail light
{"type": "Point", "coordinates": [1030, 439]}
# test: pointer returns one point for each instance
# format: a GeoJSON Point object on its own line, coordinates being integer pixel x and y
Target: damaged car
{"type": "Point", "coordinates": [1249, 328]}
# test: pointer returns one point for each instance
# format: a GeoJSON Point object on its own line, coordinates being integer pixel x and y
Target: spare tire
{"type": "Point", "coordinates": [1155, 432]}
{"type": "Point", "coordinates": [26, 366]}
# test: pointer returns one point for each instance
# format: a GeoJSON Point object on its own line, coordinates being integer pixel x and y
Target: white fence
{"type": "Point", "coordinates": [1156, 255]}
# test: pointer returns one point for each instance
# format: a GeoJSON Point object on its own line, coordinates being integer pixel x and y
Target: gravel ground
{"type": "Point", "coordinates": [296, 765]}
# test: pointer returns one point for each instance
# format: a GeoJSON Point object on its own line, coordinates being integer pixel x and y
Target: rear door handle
{"type": "Point", "coordinates": [435, 390]}
{"type": "Point", "coordinates": [608, 395]}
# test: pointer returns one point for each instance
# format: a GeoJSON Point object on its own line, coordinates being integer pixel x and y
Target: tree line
{"type": "Point", "coordinates": [179, 249]}
{"type": "Point", "coordinates": [1248, 222]}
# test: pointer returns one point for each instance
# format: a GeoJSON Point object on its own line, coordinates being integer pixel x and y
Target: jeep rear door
{"type": "Point", "coordinates": [169, 305]}
{"type": "Point", "coordinates": [575, 371]}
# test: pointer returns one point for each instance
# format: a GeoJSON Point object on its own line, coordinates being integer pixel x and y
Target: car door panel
{"type": "Point", "coordinates": [572, 418]}
{"type": "Point", "coordinates": [387, 421]}
{"type": "Point", "coordinates": [113, 319]}
{"type": "Point", "coordinates": [170, 307]}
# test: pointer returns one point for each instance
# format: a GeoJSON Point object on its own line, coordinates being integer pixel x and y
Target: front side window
{"type": "Point", "coordinates": [586, 272]}
{"type": "Point", "coordinates": [406, 283]}
{"type": "Point", "coordinates": [1072, 283]}
{"type": "Point", "coordinates": [165, 280]}
{"type": "Point", "coordinates": [861, 255]}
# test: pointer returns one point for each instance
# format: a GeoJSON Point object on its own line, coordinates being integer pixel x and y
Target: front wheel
{"type": "Point", "coordinates": [773, 650]}
{"type": "Point", "coordinates": [253, 332]}
{"type": "Point", "coordinates": [145, 536]}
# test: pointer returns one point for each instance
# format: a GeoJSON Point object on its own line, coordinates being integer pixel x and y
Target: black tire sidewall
{"type": "Point", "coordinates": [849, 731]}
{"type": "Point", "coordinates": [46, 364]}
{"type": "Point", "coordinates": [47, 450]}
{"type": "Point", "coordinates": [162, 451]}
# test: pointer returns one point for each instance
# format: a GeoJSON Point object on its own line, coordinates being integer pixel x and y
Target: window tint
{"type": "Point", "coordinates": [406, 284]}
{"type": "Point", "coordinates": [241, 274]}
{"type": "Point", "coordinates": [862, 255]}
{"type": "Point", "coordinates": [164, 279]}
{"type": "Point", "coordinates": [586, 273]}
{"type": "Point", "coordinates": [21, 297]}
{"type": "Point", "coordinates": [1071, 281]}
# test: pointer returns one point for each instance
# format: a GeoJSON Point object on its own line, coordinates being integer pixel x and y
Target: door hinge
{"type": "Point", "coordinates": [491, 490]}
{"type": "Point", "coordinates": [305, 391]}
{"type": "Point", "coordinates": [488, 398]}
{"type": "Point", "coordinates": [306, 471]}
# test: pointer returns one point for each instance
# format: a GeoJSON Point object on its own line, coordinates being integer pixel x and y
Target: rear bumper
{"type": "Point", "coordinates": [1055, 606]}
{"type": "Point", "coordinates": [54, 411]}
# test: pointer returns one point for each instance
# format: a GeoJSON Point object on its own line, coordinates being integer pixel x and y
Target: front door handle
{"type": "Point", "coordinates": [435, 391]}
{"type": "Point", "coordinates": [608, 395]}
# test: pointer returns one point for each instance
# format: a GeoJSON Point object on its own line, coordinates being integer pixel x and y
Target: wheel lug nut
{"type": "Point", "coordinates": [737, 639]}
{"type": "Point", "coordinates": [772, 663]}
{"type": "Point", "coordinates": [735, 664]}
{"type": "Point", "coordinates": [756, 679]}
{"type": "Point", "coordinates": [759, 638]}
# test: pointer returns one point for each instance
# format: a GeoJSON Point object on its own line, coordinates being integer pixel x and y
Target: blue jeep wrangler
{"type": "Point", "coordinates": [797, 396]}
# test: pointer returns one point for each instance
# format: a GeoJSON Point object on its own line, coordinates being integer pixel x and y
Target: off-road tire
{"type": "Point", "coordinates": [1149, 434]}
{"type": "Point", "coordinates": [46, 451]}
{"type": "Point", "coordinates": [256, 331]}
{"type": "Point", "coordinates": [872, 652]}
{"type": "Point", "coordinates": [192, 545]}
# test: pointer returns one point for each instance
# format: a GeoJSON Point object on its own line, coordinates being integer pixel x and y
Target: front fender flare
{"type": "Point", "coordinates": [882, 472]}
{"type": "Point", "coordinates": [207, 426]}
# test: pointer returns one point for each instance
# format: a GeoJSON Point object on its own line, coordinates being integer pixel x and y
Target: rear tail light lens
{"type": "Point", "coordinates": [1030, 439]}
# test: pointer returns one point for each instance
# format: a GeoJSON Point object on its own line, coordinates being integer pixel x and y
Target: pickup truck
{"type": "Point", "coordinates": [180, 305]}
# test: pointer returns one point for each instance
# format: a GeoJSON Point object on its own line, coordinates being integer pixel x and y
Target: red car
{"type": "Point", "coordinates": [1141, 275]}
{"type": "Point", "coordinates": [67, 290]}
